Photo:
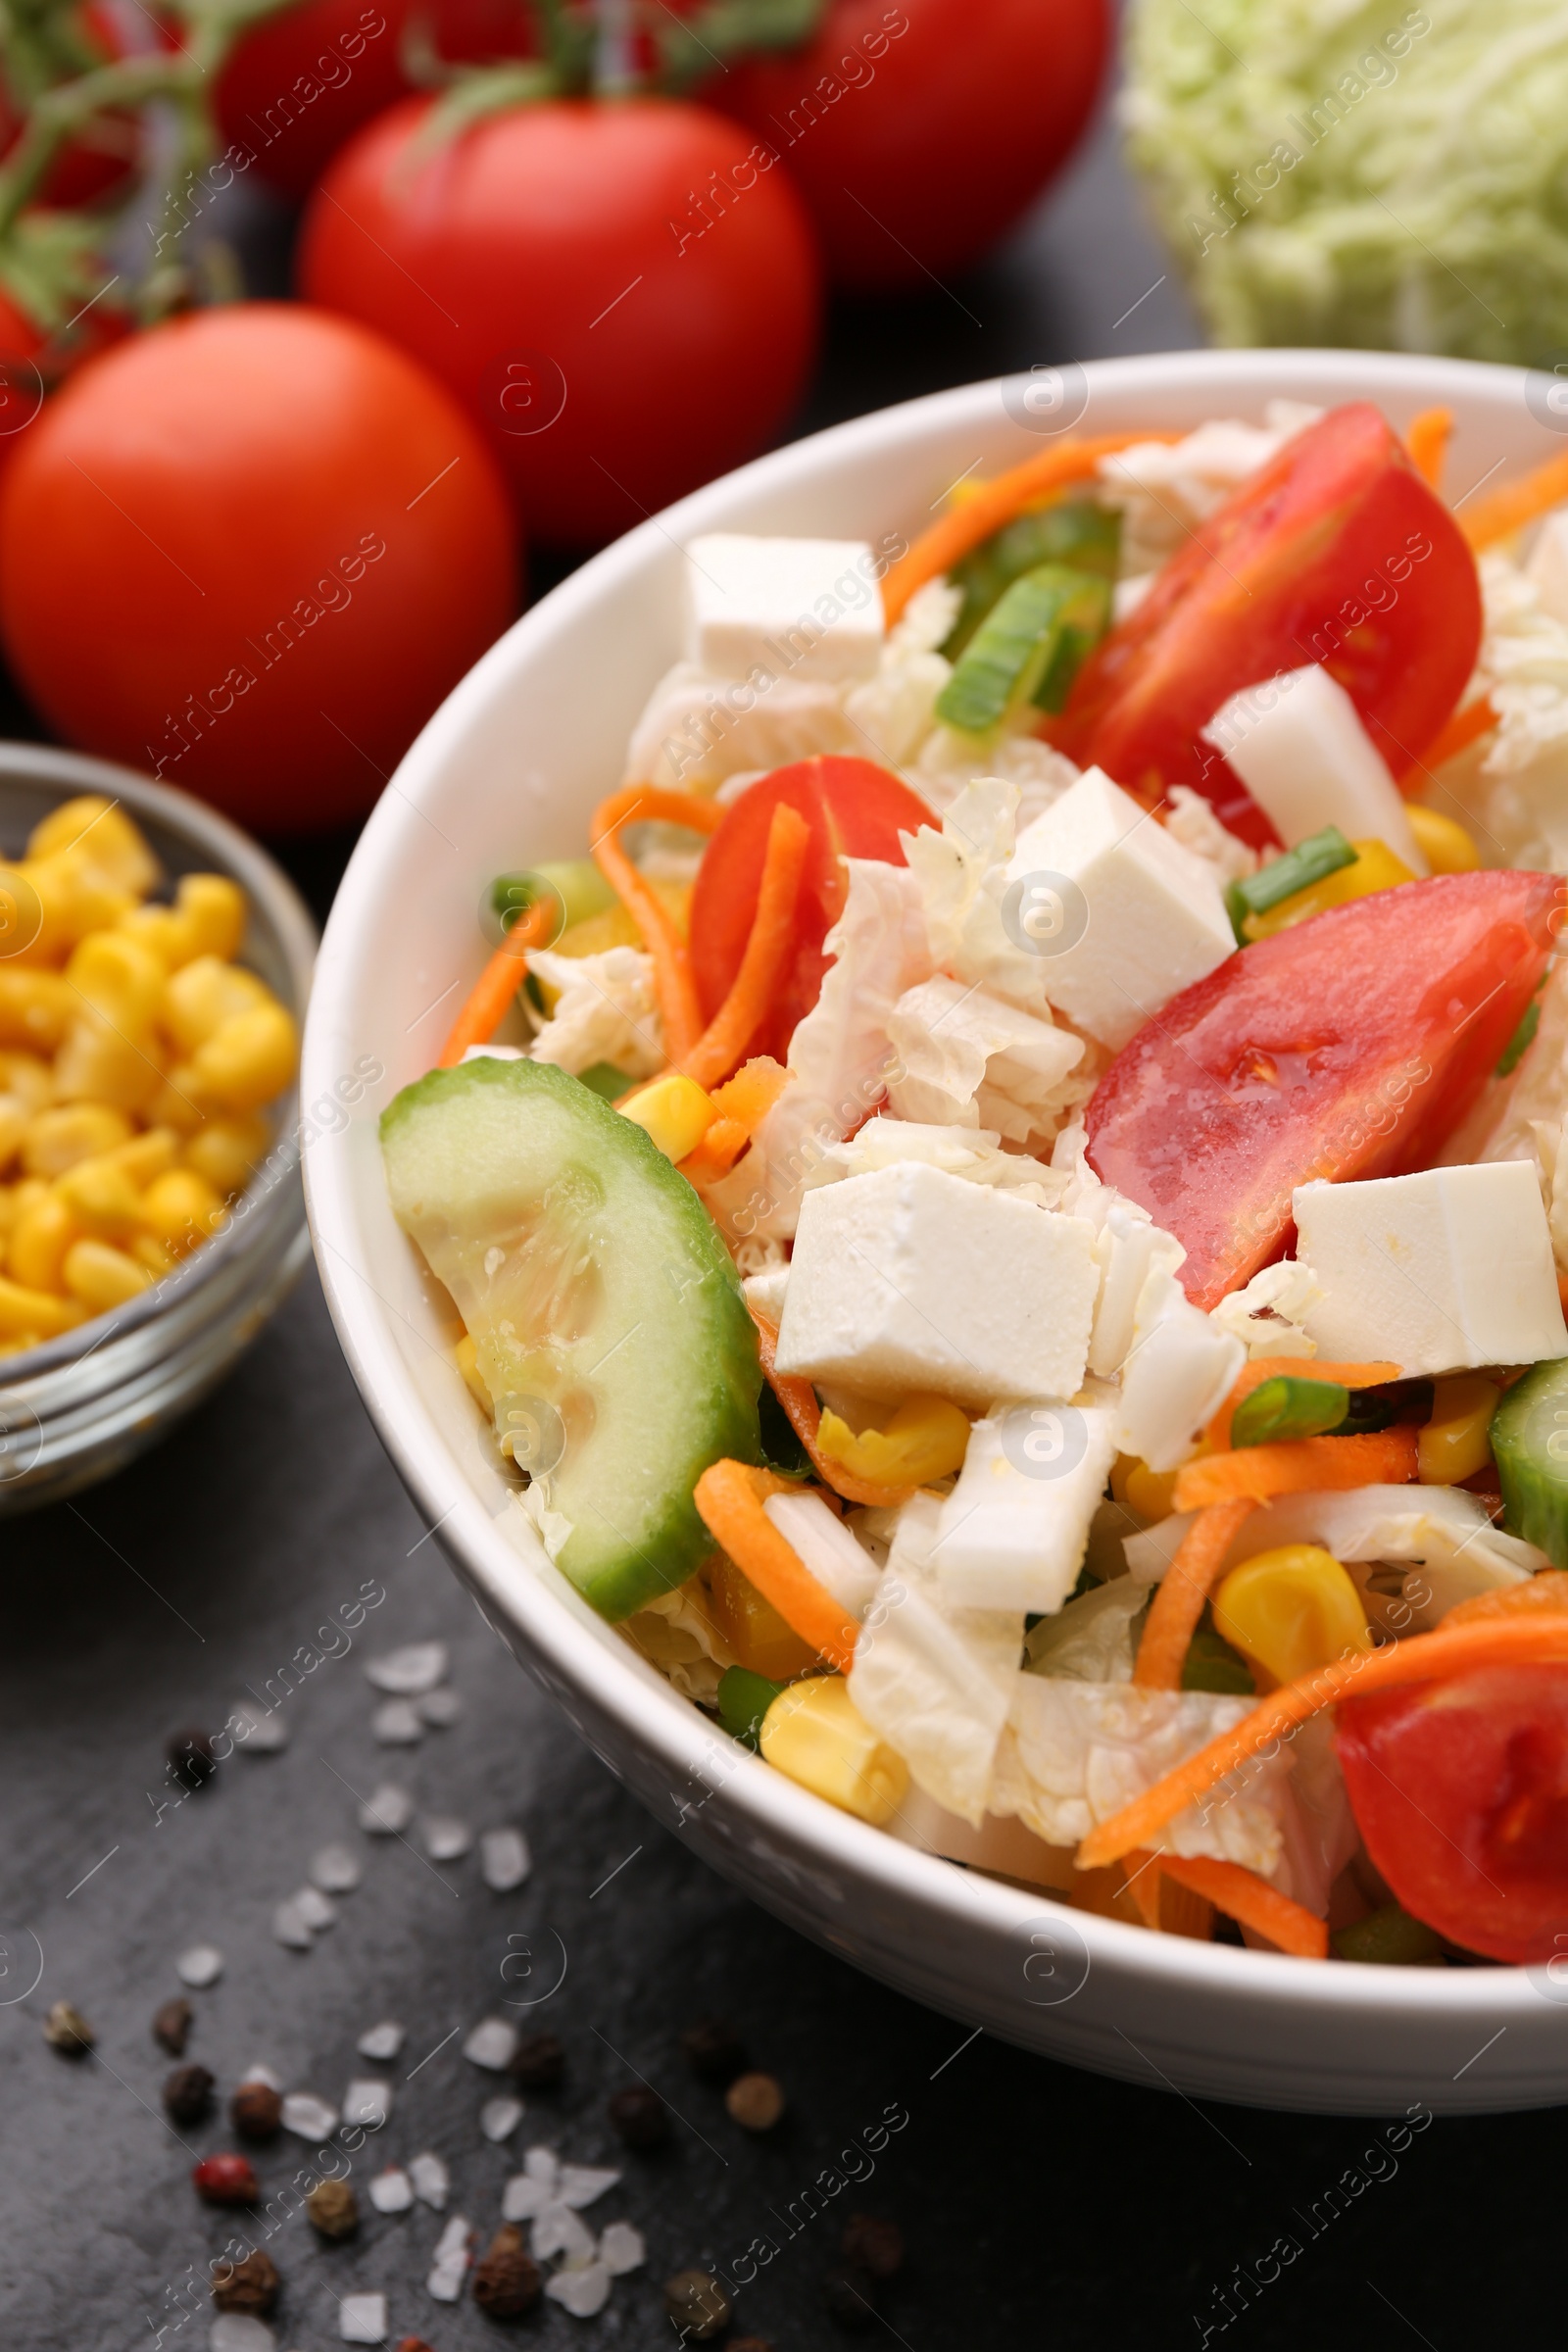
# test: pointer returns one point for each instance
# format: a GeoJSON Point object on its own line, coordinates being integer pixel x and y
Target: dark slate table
{"type": "Point", "coordinates": [1041, 2206]}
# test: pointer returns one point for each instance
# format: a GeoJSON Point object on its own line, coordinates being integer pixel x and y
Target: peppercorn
{"type": "Point", "coordinates": [256, 2111]}
{"type": "Point", "coordinates": [849, 2291]}
{"type": "Point", "coordinates": [755, 2102]}
{"type": "Point", "coordinates": [172, 2026]}
{"type": "Point", "coordinates": [190, 1758]}
{"type": "Point", "coordinates": [248, 2285]}
{"type": "Point", "coordinates": [334, 2208]}
{"type": "Point", "coordinates": [414, 2343]}
{"type": "Point", "coordinates": [67, 2031]}
{"type": "Point", "coordinates": [225, 2179]}
{"type": "Point", "coordinates": [696, 2305]}
{"type": "Point", "coordinates": [875, 2245]}
{"type": "Point", "coordinates": [506, 2283]}
{"type": "Point", "coordinates": [714, 2051]}
{"type": "Point", "coordinates": [538, 2062]}
{"type": "Point", "coordinates": [188, 2095]}
{"type": "Point", "coordinates": [641, 2117]}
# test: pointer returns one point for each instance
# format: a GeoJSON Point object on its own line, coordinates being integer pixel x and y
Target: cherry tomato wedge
{"type": "Point", "coordinates": [855, 810]}
{"type": "Point", "coordinates": [1338, 553]}
{"type": "Point", "coordinates": [1460, 1790]}
{"type": "Point", "coordinates": [1349, 1045]}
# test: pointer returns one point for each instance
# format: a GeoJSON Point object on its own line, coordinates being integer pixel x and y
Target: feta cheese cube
{"type": "Point", "coordinates": [1013, 1532]}
{"type": "Point", "coordinates": [1179, 1369]}
{"type": "Point", "coordinates": [913, 1279]}
{"type": "Point", "coordinates": [1547, 567]}
{"type": "Point", "coordinates": [1437, 1272]}
{"type": "Point", "coordinates": [1141, 917]}
{"type": "Point", "coordinates": [1298, 746]}
{"type": "Point", "coordinates": [804, 607]}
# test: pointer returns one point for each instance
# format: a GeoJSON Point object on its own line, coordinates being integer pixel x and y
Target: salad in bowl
{"type": "Point", "coordinates": [1004, 1214]}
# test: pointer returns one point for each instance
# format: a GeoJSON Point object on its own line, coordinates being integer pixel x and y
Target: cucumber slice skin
{"type": "Point", "coordinates": [1530, 1446]}
{"type": "Point", "coordinates": [587, 1213]}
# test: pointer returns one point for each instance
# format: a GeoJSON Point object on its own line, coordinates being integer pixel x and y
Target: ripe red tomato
{"type": "Point", "coordinates": [1337, 553]}
{"type": "Point", "coordinates": [855, 810]}
{"type": "Point", "coordinates": [1461, 1789]}
{"type": "Point", "coordinates": [303, 83]}
{"type": "Point", "coordinates": [919, 133]}
{"type": "Point", "coordinates": [251, 551]}
{"type": "Point", "coordinates": [1349, 1045]}
{"type": "Point", "coordinates": [619, 330]}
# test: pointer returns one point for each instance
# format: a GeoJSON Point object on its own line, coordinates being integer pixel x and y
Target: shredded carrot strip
{"type": "Point", "coordinates": [1180, 1592]}
{"type": "Point", "coordinates": [1543, 1593]}
{"type": "Point", "coordinates": [1291, 1367]}
{"type": "Point", "coordinates": [1428, 444]}
{"type": "Point", "coordinates": [487, 1001]}
{"type": "Point", "coordinates": [1529, 1639]}
{"type": "Point", "coordinates": [767, 949]}
{"type": "Point", "coordinates": [1508, 508]}
{"type": "Point", "coordinates": [996, 501]}
{"type": "Point", "coordinates": [743, 1102]}
{"type": "Point", "coordinates": [1143, 1884]}
{"type": "Point", "coordinates": [673, 984]}
{"type": "Point", "coordinates": [730, 1496]}
{"type": "Point", "coordinates": [1245, 1897]}
{"type": "Point", "coordinates": [799, 1399]}
{"type": "Point", "coordinates": [1384, 1458]}
{"type": "Point", "coordinates": [1465, 728]}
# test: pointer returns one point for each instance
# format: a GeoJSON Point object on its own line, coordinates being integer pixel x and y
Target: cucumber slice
{"type": "Point", "coordinates": [1530, 1446]}
{"type": "Point", "coordinates": [608, 1321]}
{"type": "Point", "coordinates": [1075, 531]}
{"type": "Point", "coordinates": [1033, 639]}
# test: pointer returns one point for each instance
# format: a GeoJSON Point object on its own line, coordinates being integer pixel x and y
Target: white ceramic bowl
{"type": "Point", "coordinates": [505, 774]}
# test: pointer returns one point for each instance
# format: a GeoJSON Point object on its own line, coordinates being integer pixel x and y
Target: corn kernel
{"type": "Point", "coordinates": [676, 1111]}
{"type": "Point", "coordinates": [154, 1254]}
{"type": "Point", "coordinates": [34, 1007]}
{"type": "Point", "coordinates": [1442, 841]}
{"type": "Point", "coordinates": [202, 994]}
{"type": "Point", "coordinates": [1290, 1611]}
{"type": "Point", "coordinates": [180, 1209]}
{"type": "Point", "coordinates": [119, 977]}
{"type": "Point", "coordinates": [178, 1102]}
{"type": "Point", "coordinates": [101, 1062]}
{"type": "Point", "coordinates": [36, 1247]}
{"type": "Point", "coordinates": [1457, 1442]}
{"type": "Point", "coordinates": [249, 1059]}
{"type": "Point", "coordinates": [147, 1157]}
{"type": "Point", "coordinates": [102, 1277]}
{"type": "Point", "coordinates": [1149, 1494]}
{"type": "Point", "coordinates": [226, 1151]}
{"type": "Point", "coordinates": [1376, 867]}
{"type": "Point", "coordinates": [75, 897]}
{"type": "Point", "coordinates": [24, 1074]}
{"type": "Point", "coordinates": [22, 937]}
{"type": "Point", "coordinates": [57, 1139]}
{"type": "Point", "coordinates": [814, 1734]}
{"type": "Point", "coordinates": [33, 1315]}
{"type": "Point", "coordinates": [15, 1119]}
{"type": "Point", "coordinates": [102, 831]}
{"type": "Point", "coordinates": [102, 1199]}
{"type": "Point", "coordinates": [752, 1627]}
{"type": "Point", "coordinates": [27, 1194]}
{"type": "Point", "coordinates": [615, 927]}
{"type": "Point", "coordinates": [468, 1365]}
{"type": "Point", "coordinates": [213, 912]}
{"type": "Point", "coordinates": [925, 1438]}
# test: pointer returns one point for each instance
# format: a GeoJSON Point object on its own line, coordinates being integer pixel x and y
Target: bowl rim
{"type": "Point", "coordinates": [656, 1716]}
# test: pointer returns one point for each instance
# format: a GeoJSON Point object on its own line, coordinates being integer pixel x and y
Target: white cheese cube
{"type": "Point", "coordinates": [1298, 746]}
{"type": "Point", "coordinates": [1547, 567]}
{"type": "Point", "coordinates": [1134, 917]}
{"type": "Point", "coordinates": [798, 608]}
{"type": "Point", "coordinates": [1179, 1371]}
{"type": "Point", "coordinates": [913, 1279]}
{"type": "Point", "coordinates": [1014, 1531]}
{"type": "Point", "coordinates": [1438, 1272]}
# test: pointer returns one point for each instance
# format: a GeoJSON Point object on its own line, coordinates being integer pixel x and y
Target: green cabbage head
{"type": "Point", "coordinates": [1380, 175]}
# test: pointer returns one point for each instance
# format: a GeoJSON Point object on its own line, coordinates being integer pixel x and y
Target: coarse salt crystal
{"type": "Point", "coordinates": [522, 2198]}
{"type": "Point", "coordinates": [311, 2118]}
{"type": "Point", "coordinates": [392, 2191]}
{"type": "Point", "coordinates": [504, 1859]}
{"type": "Point", "coordinates": [381, 2041]}
{"type": "Point", "coordinates": [361, 2318]}
{"type": "Point", "coordinates": [581, 2183]}
{"type": "Point", "coordinates": [417, 1666]}
{"type": "Point", "coordinates": [397, 1722]}
{"type": "Point", "coordinates": [499, 2117]}
{"type": "Point", "coordinates": [558, 2231]}
{"type": "Point", "coordinates": [446, 1839]}
{"type": "Point", "coordinates": [201, 1965]}
{"type": "Point", "coordinates": [263, 2074]}
{"type": "Point", "coordinates": [368, 2103]}
{"type": "Point", "coordinates": [542, 2163]}
{"type": "Point", "coordinates": [491, 2044]}
{"type": "Point", "coordinates": [238, 2331]}
{"type": "Point", "coordinates": [450, 2264]}
{"type": "Point", "coordinates": [313, 1907]}
{"type": "Point", "coordinates": [257, 1732]}
{"type": "Point", "coordinates": [441, 1708]}
{"type": "Point", "coordinates": [386, 1811]}
{"type": "Point", "coordinates": [291, 1926]}
{"type": "Point", "coordinates": [582, 2292]}
{"type": "Point", "coordinates": [431, 2181]}
{"type": "Point", "coordinates": [621, 2248]}
{"type": "Point", "coordinates": [336, 1870]}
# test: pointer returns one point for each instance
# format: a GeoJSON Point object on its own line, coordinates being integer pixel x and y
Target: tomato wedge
{"type": "Point", "coordinates": [1349, 1046]}
{"type": "Point", "coordinates": [1460, 1792]}
{"type": "Point", "coordinates": [1338, 553]}
{"type": "Point", "coordinates": [855, 810]}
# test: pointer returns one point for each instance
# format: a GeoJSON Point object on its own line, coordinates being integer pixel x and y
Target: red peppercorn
{"type": "Point", "coordinates": [225, 2180]}
{"type": "Point", "coordinates": [414, 2343]}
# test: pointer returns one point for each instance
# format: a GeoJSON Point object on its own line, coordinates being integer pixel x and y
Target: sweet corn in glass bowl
{"type": "Point", "coordinates": [154, 967]}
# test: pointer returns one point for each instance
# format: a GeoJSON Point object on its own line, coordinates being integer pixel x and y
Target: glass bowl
{"type": "Point", "coordinates": [79, 1407]}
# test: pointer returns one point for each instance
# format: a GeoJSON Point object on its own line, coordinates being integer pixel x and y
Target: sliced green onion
{"type": "Point", "coordinates": [575, 884]}
{"type": "Point", "coordinates": [1211, 1664]}
{"type": "Point", "coordinates": [1379, 1408]}
{"type": "Point", "coordinates": [1286, 1407]}
{"type": "Point", "coordinates": [1389, 1937]}
{"type": "Point", "coordinates": [1075, 531]}
{"type": "Point", "coordinates": [743, 1698]}
{"type": "Point", "coordinates": [1013, 652]}
{"type": "Point", "coordinates": [1514, 1051]}
{"type": "Point", "coordinates": [1311, 861]}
